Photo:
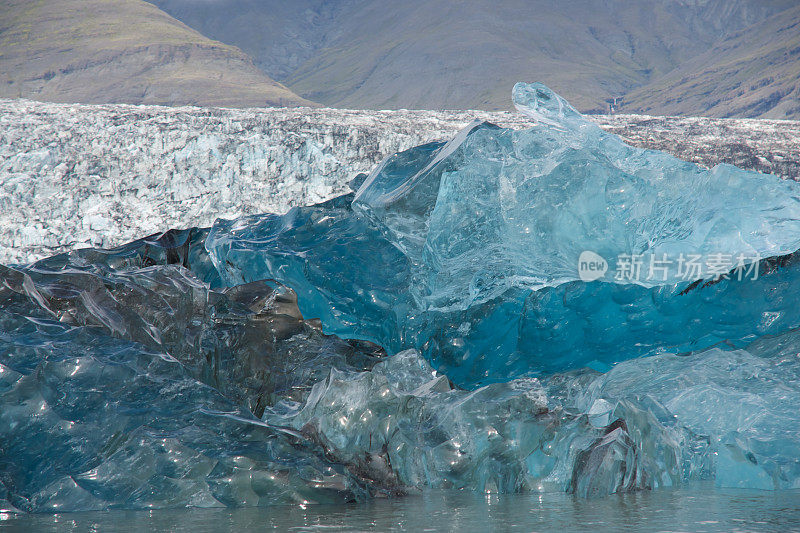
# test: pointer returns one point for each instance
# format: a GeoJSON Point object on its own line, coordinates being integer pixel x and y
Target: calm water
{"type": "Point", "coordinates": [701, 509]}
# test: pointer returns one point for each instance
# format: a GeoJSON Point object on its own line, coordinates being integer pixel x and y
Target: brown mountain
{"type": "Point", "coordinates": [753, 73]}
{"type": "Point", "coordinates": [467, 54]}
{"type": "Point", "coordinates": [123, 51]}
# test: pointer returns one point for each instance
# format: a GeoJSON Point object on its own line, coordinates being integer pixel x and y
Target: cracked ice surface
{"type": "Point", "coordinates": [78, 175]}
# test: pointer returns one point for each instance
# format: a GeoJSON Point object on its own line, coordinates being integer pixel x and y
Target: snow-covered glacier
{"type": "Point", "coordinates": [74, 176]}
{"type": "Point", "coordinates": [434, 327]}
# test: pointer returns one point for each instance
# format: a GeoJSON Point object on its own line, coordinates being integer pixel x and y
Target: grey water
{"type": "Point", "coordinates": [700, 508]}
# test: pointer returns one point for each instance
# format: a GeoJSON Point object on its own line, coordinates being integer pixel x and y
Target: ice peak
{"type": "Point", "coordinates": [542, 104]}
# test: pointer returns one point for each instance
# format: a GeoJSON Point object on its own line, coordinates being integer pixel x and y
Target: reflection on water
{"type": "Point", "coordinates": [697, 509]}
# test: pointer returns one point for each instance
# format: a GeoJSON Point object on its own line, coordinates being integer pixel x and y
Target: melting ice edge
{"type": "Point", "coordinates": [447, 339]}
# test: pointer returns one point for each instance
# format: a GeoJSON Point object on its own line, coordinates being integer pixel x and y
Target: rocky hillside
{"type": "Point", "coordinates": [663, 57]}
{"type": "Point", "coordinates": [123, 51]}
{"type": "Point", "coordinates": [688, 57]}
{"type": "Point", "coordinates": [77, 175]}
{"type": "Point", "coordinates": [754, 72]}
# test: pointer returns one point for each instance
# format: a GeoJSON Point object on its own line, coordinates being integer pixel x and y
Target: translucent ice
{"type": "Point", "coordinates": [469, 250]}
{"type": "Point", "coordinates": [405, 418]}
{"type": "Point", "coordinates": [741, 405]}
{"type": "Point", "coordinates": [244, 364]}
{"type": "Point", "coordinates": [125, 381]}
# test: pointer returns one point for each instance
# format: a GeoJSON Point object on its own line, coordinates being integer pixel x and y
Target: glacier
{"type": "Point", "coordinates": [431, 328]}
{"type": "Point", "coordinates": [75, 176]}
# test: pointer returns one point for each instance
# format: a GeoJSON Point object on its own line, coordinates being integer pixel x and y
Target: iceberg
{"type": "Point", "coordinates": [470, 250]}
{"type": "Point", "coordinates": [126, 382]}
{"type": "Point", "coordinates": [466, 318]}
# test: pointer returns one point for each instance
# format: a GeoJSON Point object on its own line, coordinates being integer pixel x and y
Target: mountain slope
{"type": "Point", "coordinates": [753, 73]}
{"type": "Point", "coordinates": [279, 35]}
{"type": "Point", "coordinates": [123, 51]}
{"type": "Point", "coordinates": [468, 54]}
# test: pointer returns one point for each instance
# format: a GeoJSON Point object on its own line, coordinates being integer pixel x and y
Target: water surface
{"type": "Point", "coordinates": [696, 509]}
